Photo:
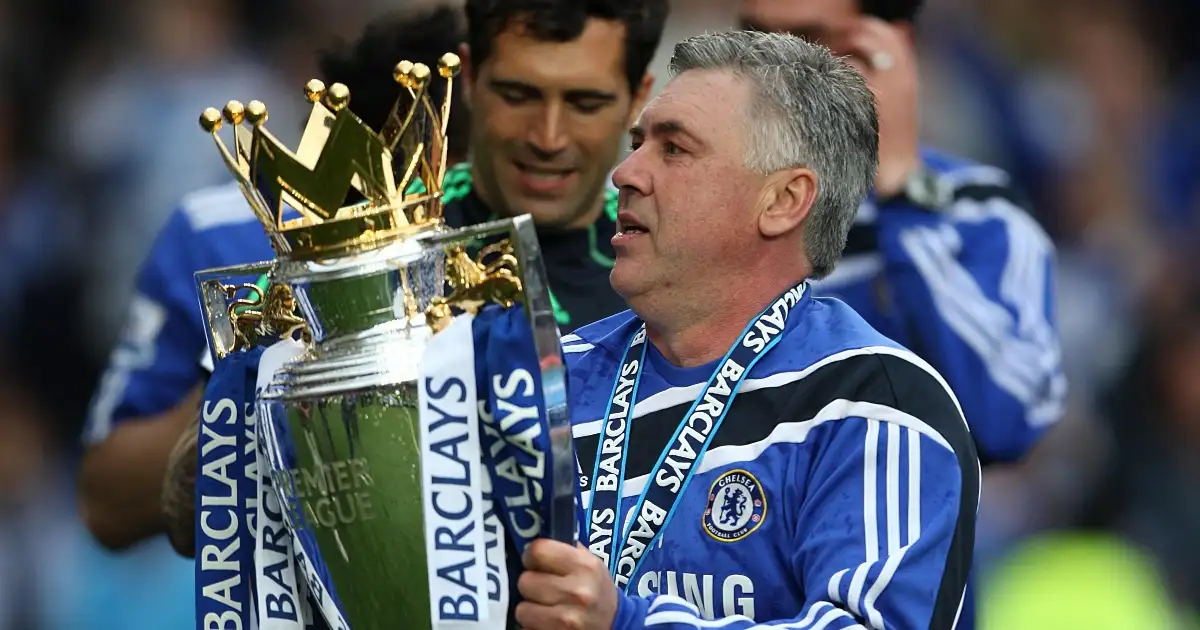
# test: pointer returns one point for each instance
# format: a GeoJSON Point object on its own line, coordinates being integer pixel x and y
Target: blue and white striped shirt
{"type": "Point", "coordinates": [967, 283]}
{"type": "Point", "coordinates": [859, 475]}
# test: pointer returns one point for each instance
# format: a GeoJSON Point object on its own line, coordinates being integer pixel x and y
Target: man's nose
{"type": "Point", "coordinates": [549, 134]}
{"type": "Point", "coordinates": [631, 174]}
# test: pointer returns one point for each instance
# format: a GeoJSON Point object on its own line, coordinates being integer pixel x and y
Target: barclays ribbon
{"type": "Point", "coordinates": [270, 575]}
{"type": "Point", "coordinates": [608, 476]}
{"type": "Point", "coordinates": [451, 480]}
{"type": "Point", "coordinates": [516, 432]}
{"type": "Point", "coordinates": [314, 586]}
{"type": "Point", "coordinates": [671, 475]}
{"type": "Point", "coordinates": [265, 592]}
{"type": "Point", "coordinates": [496, 560]}
{"type": "Point", "coordinates": [281, 604]}
{"type": "Point", "coordinates": [226, 498]}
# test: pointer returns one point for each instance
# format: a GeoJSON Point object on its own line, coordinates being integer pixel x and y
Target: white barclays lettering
{"type": "Point", "coordinates": [601, 532]}
{"type": "Point", "coordinates": [639, 538]}
{"type": "Point", "coordinates": [218, 454]}
{"type": "Point", "coordinates": [681, 457]}
{"type": "Point", "coordinates": [612, 450]}
{"type": "Point", "coordinates": [251, 476]}
{"type": "Point", "coordinates": [276, 558]}
{"type": "Point", "coordinates": [607, 517]}
{"type": "Point", "coordinates": [531, 476]}
{"type": "Point", "coordinates": [737, 591]}
{"type": "Point", "coordinates": [455, 535]}
{"type": "Point", "coordinates": [614, 431]}
{"type": "Point", "coordinates": [772, 322]}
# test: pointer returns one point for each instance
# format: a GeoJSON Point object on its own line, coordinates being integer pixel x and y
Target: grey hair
{"type": "Point", "coordinates": [809, 109]}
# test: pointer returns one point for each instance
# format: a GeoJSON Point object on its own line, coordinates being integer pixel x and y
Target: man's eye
{"type": "Point", "coordinates": [670, 148]}
{"type": "Point", "coordinates": [590, 106]}
{"type": "Point", "coordinates": [512, 98]}
{"type": "Point", "coordinates": [634, 145]}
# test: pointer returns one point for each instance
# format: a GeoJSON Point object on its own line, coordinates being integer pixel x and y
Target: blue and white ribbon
{"type": "Point", "coordinates": [452, 481]}
{"type": "Point", "coordinates": [314, 587]}
{"type": "Point", "coordinates": [516, 432]}
{"type": "Point", "coordinates": [246, 579]}
{"type": "Point", "coordinates": [226, 499]}
{"type": "Point", "coordinates": [281, 603]}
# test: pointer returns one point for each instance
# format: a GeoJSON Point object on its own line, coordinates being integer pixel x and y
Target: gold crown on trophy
{"type": "Point", "coordinates": [338, 152]}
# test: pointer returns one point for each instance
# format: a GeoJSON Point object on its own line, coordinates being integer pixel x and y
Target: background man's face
{"type": "Point", "coordinates": [548, 120]}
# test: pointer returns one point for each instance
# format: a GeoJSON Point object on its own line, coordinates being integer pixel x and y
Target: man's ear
{"type": "Point", "coordinates": [786, 201]}
{"type": "Point", "coordinates": [639, 98]}
{"type": "Point", "coordinates": [907, 32]}
{"type": "Point", "coordinates": [468, 70]}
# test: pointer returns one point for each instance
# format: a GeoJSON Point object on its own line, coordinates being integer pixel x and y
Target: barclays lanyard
{"type": "Point", "coordinates": [677, 463]}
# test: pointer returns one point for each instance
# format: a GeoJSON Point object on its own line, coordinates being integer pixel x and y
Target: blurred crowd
{"type": "Point", "coordinates": [1090, 104]}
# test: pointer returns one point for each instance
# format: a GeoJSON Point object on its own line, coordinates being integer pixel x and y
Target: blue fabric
{"type": "Point", "coordinates": [516, 431]}
{"type": "Point", "coordinates": [231, 392]}
{"type": "Point", "coordinates": [226, 496]}
{"type": "Point", "coordinates": [970, 288]}
{"type": "Point", "coordinates": [806, 557]}
{"type": "Point", "coordinates": [156, 360]}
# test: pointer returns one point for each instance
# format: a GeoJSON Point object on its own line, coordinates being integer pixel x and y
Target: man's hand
{"type": "Point", "coordinates": [884, 54]}
{"type": "Point", "coordinates": [179, 491]}
{"type": "Point", "coordinates": [566, 588]}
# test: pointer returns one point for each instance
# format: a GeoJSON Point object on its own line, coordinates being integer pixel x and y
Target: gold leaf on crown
{"type": "Point", "coordinates": [338, 153]}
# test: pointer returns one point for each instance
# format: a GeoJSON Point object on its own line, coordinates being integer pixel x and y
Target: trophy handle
{"type": "Point", "coordinates": [216, 290]}
{"type": "Point", "coordinates": [540, 311]}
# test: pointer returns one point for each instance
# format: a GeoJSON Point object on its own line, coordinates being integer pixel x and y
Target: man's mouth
{"type": "Point", "coordinates": [628, 224]}
{"type": "Point", "coordinates": [543, 172]}
{"type": "Point", "coordinates": [544, 180]}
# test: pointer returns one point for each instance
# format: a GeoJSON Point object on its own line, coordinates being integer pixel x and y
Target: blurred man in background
{"type": "Point", "coordinates": [943, 258]}
{"type": "Point", "coordinates": [551, 97]}
{"type": "Point", "coordinates": [554, 85]}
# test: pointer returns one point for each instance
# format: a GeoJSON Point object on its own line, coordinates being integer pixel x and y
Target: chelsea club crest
{"type": "Point", "coordinates": [736, 506]}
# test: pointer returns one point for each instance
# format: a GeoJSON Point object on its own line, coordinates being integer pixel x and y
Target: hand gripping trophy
{"type": "Point", "coordinates": [388, 406]}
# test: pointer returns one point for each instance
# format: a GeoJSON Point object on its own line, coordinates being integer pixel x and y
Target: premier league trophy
{"type": "Point", "coordinates": [406, 408]}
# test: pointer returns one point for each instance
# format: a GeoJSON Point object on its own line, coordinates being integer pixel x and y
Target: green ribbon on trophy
{"type": "Point", "coordinates": [397, 407]}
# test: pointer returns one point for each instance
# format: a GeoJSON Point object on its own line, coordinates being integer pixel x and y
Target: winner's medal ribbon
{"type": "Point", "coordinates": [670, 476]}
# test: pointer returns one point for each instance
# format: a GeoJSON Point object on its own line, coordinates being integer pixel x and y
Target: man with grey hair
{"type": "Point", "coordinates": [751, 453]}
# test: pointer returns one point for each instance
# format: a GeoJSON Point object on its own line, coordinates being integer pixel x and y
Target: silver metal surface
{"type": "Point", "coordinates": [346, 413]}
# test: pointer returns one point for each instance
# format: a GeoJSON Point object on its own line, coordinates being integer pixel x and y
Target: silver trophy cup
{"type": "Point", "coordinates": [366, 288]}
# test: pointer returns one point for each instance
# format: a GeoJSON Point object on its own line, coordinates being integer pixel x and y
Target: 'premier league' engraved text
{"type": "Point", "coordinates": [334, 493]}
